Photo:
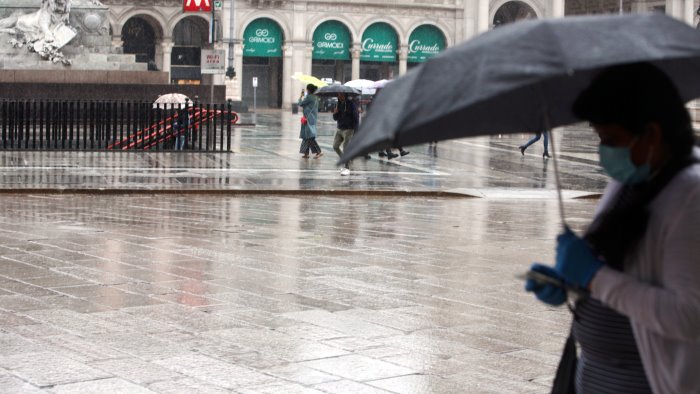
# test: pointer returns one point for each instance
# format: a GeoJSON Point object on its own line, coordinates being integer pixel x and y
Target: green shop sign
{"type": "Point", "coordinates": [331, 41]}
{"type": "Point", "coordinates": [262, 38]}
{"type": "Point", "coordinates": [379, 43]}
{"type": "Point", "coordinates": [425, 42]}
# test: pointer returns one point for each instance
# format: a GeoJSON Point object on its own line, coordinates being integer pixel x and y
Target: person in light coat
{"type": "Point", "coordinates": [639, 260]}
{"type": "Point", "coordinates": [309, 103]}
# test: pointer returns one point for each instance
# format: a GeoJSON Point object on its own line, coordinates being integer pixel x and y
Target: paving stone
{"type": "Point", "coordinates": [49, 369]}
{"type": "Point", "coordinates": [349, 387]}
{"type": "Point", "coordinates": [136, 370]}
{"type": "Point", "coordinates": [215, 372]}
{"type": "Point", "coordinates": [186, 386]}
{"type": "Point", "coordinates": [358, 368]}
{"type": "Point", "coordinates": [300, 374]}
{"type": "Point", "coordinates": [13, 385]}
{"type": "Point", "coordinates": [282, 346]}
{"type": "Point", "coordinates": [111, 386]}
{"type": "Point", "coordinates": [279, 388]}
{"type": "Point", "coordinates": [343, 324]}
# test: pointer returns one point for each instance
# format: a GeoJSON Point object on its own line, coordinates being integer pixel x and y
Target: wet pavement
{"type": "Point", "coordinates": [265, 158]}
{"type": "Point", "coordinates": [260, 272]}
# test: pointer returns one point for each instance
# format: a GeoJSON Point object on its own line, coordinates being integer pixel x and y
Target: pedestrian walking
{"type": "Point", "coordinates": [347, 119]}
{"type": "Point", "coordinates": [390, 155]}
{"type": "Point", "coordinates": [181, 128]}
{"type": "Point", "coordinates": [639, 325]}
{"type": "Point", "coordinates": [309, 103]}
{"type": "Point", "coordinates": [534, 139]}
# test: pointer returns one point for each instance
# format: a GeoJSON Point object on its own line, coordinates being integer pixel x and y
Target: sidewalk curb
{"type": "Point", "coordinates": [234, 192]}
{"type": "Point", "coordinates": [275, 192]}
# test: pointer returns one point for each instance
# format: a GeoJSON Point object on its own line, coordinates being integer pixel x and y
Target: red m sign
{"type": "Point", "coordinates": [197, 5]}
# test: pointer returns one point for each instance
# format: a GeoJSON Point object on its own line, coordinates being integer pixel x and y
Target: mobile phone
{"type": "Point", "coordinates": [542, 279]}
{"type": "Point", "coordinates": [549, 280]}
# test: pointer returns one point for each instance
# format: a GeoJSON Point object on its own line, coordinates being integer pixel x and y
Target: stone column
{"type": "Point", "coordinates": [287, 93]}
{"type": "Point", "coordinates": [482, 19]}
{"type": "Point", "coordinates": [355, 54]}
{"type": "Point", "coordinates": [233, 86]}
{"type": "Point", "coordinates": [308, 60]}
{"type": "Point", "coordinates": [689, 12]}
{"type": "Point", "coordinates": [556, 9]}
{"type": "Point", "coordinates": [674, 8]}
{"type": "Point", "coordinates": [117, 43]}
{"type": "Point", "coordinates": [403, 59]}
{"type": "Point", "coordinates": [167, 49]}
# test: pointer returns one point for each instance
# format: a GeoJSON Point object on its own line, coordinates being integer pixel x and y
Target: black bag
{"type": "Point", "coordinates": [565, 379]}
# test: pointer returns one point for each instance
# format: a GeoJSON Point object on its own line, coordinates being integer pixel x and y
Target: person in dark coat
{"type": "Point", "coordinates": [347, 119]}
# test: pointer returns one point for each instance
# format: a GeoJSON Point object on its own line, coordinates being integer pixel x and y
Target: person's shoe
{"type": "Point", "coordinates": [319, 154]}
{"type": "Point", "coordinates": [382, 154]}
{"type": "Point", "coordinates": [522, 150]}
{"type": "Point", "coordinates": [367, 157]}
{"type": "Point", "coordinates": [391, 155]}
{"type": "Point", "coordinates": [305, 157]}
{"type": "Point", "coordinates": [345, 172]}
{"type": "Point", "coordinates": [404, 152]}
{"type": "Point", "coordinates": [546, 155]}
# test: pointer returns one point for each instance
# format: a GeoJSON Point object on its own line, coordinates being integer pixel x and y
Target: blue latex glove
{"type": "Point", "coordinates": [575, 260]}
{"type": "Point", "coordinates": [547, 293]}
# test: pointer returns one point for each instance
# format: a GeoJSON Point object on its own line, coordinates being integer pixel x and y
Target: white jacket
{"type": "Point", "coordinates": [660, 292]}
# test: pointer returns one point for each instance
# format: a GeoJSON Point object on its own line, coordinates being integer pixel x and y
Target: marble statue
{"type": "Point", "coordinates": [44, 31]}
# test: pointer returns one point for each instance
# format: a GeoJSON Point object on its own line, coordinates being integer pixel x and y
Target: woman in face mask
{"type": "Point", "coordinates": [639, 261]}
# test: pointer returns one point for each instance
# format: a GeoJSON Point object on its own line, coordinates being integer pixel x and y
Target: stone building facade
{"type": "Point", "coordinates": [372, 39]}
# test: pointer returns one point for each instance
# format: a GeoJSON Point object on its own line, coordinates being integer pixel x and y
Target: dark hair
{"type": "Point", "coordinates": [311, 88]}
{"type": "Point", "coordinates": [633, 96]}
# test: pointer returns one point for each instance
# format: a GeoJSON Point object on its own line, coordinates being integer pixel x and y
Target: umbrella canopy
{"type": "Point", "coordinates": [172, 100]}
{"type": "Point", "coordinates": [365, 86]}
{"type": "Point", "coordinates": [332, 90]}
{"type": "Point", "coordinates": [381, 84]}
{"type": "Point", "coordinates": [308, 79]}
{"type": "Point", "coordinates": [522, 77]}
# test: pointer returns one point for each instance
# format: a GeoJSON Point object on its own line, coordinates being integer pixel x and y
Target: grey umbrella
{"type": "Point", "coordinates": [522, 77]}
{"type": "Point", "coordinates": [332, 90]}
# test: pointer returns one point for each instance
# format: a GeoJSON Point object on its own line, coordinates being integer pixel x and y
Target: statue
{"type": "Point", "coordinates": [44, 31]}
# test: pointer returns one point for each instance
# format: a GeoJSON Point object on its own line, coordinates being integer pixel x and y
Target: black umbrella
{"type": "Point", "coordinates": [333, 90]}
{"type": "Point", "coordinates": [522, 77]}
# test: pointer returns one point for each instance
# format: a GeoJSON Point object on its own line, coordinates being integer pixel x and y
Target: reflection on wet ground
{"type": "Point", "coordinates": [265, 157]}
{"type": "Point", "coordinates": [275, 294]}
{"type": "Point", "coordinates": [167, 293]}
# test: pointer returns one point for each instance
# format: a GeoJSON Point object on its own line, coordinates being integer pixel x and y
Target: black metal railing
{"type": "Point", "coordinates": [114, 125]}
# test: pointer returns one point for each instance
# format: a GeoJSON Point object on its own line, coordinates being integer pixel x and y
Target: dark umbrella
{"type": "Point", "coordinates": [522, 77]}
{"type": "Point", "coordinates": [333, 90]}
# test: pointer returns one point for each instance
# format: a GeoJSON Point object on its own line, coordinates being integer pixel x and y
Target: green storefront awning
{"type": "Point", "coordinates": [331, 41]}
{"type": "Point", "coordinates": [425, 42]}
{"type": "Point", "coordinates": [262, 38]}
{"type": "Point", "coordinates": [379, 43]}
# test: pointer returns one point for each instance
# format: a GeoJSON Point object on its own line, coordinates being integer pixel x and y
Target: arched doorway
{"type": "Point", "coordinates": [262, 59]}
{"type": "Point", "coordinates": [378, 59]}
{"type": "Point", "coordinates": [139, 38]}
{"type": "Point", "coordinates": [513, 11]}
{"type": "Point", "coordinates": [424, 42]}
{"type": "Point", "coordinates": [190, 35]}
{"type": "Point", "coordinates": [331, 53]}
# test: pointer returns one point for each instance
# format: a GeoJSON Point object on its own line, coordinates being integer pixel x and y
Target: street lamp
{"type": "Point", "coordinates": [230, 71]}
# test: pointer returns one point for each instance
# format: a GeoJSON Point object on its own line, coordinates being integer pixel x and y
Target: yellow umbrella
{"type": "Point", "coordinates": [308, 79]}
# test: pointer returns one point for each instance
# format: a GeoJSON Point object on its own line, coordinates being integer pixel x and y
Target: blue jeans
{"type": "Point", "coordinates": [180, 142]}
{"type": "Point", "coordinates": [537, 138]}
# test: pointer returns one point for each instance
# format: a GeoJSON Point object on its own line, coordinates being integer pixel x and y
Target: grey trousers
{"type": "Point", "coordinates": [342, 136]}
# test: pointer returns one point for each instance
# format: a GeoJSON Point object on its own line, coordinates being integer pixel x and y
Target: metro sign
{"type": "Point", "coordinates": [197, 5]}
